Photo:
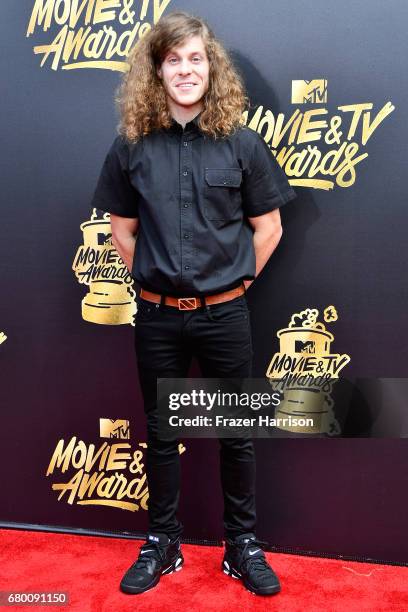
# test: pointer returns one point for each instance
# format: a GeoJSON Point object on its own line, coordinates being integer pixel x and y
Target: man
{"type": "Point", "coordinates": [194, 198]}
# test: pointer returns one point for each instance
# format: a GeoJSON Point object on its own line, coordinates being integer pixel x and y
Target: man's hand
{"type": "Point", "coordinates": [268, 232]}
{"type": "Point", "coordinates": [124, 237]}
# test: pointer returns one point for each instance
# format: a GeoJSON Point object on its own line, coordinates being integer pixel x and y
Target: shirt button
{"type": "Point", "coordinates": [185, 205]}
{"type": "Point", "coordinates": [185, 144]}
{"type": "Point", "coordinates": [185, 173]}
{"type": "Point", "coordinates": [186, 267]}
{"type": "Point", "coordinates": [185, 235]}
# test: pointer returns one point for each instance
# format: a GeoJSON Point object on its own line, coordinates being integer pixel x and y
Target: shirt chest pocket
{"type": "Point", "coordinates": [222, 193]}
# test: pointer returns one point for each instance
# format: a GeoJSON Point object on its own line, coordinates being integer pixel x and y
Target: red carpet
{"type": "Point", "coordinates": [90, 569]}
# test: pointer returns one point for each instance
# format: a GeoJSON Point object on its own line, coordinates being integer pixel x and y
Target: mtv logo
{"type": "Point", "coordinates": [104, 239]}
{"type": "Point", "coordinates": [304, 347]}
{"type": "Point", "coordinates": [314, 91]}
{"type": "Point", "coordinates": [119, 429]}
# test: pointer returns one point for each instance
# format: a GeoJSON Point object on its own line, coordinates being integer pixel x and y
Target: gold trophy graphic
{"type": "Point", "coordinates": [111, 473]}
{"type": "Point", "coordinates": [305, 370]}
{"type": "Point", "coordinates": [111, 297]}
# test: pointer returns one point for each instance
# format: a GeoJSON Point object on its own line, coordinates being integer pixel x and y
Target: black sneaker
{"type": "Point", "coordinates": [245, 559]}
{"type": "Point", "coordinates": [158, 556]}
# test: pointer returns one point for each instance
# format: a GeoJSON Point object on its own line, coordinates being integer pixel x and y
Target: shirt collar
{"type": "Point", "coordinates": [191, 128]}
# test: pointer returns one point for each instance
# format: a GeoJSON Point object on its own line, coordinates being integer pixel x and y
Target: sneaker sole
{"type": "Point", "coordinates": [234, 573]}
{"type": "Point", "coordinates": [176, 566]}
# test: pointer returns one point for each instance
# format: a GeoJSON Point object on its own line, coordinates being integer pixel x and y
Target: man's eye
{"type": "Point", "coordinates": [196, 58]}
{"type": "Point", "coordinates": [172, 60]}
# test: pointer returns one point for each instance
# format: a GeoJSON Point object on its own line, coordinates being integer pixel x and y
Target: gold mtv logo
{"type": "Point", "coordinates": [119, 429]}
{"type": "Point", "coordinates": [309, 91]}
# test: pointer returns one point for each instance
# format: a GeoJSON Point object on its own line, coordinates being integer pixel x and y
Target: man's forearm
{"type": "Point", "coordinates": [125, 246]}
{"type": "Point", "coordinates": [124, 234]}
{"type": "Point", "coordinates": [264, 245]}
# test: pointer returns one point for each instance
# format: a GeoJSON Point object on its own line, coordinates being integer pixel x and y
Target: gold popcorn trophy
{"type": "Point", "coordinates": [111, 297]}
{"type": "Point", "coordinates": [305, 371]}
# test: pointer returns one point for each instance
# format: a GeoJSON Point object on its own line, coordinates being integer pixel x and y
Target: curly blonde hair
{"type": "Point", "coordinates": [141, 98]}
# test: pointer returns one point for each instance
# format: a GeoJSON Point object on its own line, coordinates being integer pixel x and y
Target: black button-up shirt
{"type": "Point", "coordinates": [192, 195]}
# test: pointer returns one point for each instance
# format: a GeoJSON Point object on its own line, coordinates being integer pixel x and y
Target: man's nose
{"type": "Point", "coordinates": [184, 67]}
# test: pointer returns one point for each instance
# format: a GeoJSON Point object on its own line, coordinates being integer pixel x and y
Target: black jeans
{"type": "Point", "coordinates": [166, 339]}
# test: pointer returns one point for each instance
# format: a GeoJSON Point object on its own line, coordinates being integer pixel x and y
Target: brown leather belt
{"type": "Point", "coordinates": [191, 303]}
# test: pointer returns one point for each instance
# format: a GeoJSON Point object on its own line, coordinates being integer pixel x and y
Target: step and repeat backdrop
{"type": "Point", "coordinates": [326, 85]}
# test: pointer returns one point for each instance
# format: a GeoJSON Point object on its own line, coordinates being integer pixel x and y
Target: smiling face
{"type": "Point", "coordinates": [185, 76]}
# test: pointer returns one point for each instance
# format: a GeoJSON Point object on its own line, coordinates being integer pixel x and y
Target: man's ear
{"type": "Point", "coordinates": [159, 72]}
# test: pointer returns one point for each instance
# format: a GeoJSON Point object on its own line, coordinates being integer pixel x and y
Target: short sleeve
{"type": "Point", "coordinates": [114, 192]}
{"type": "Point", "coordinates": [265, 185]}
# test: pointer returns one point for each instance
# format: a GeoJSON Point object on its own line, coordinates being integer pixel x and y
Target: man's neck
{"type": "Point", "coordinates": [184, 115]}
